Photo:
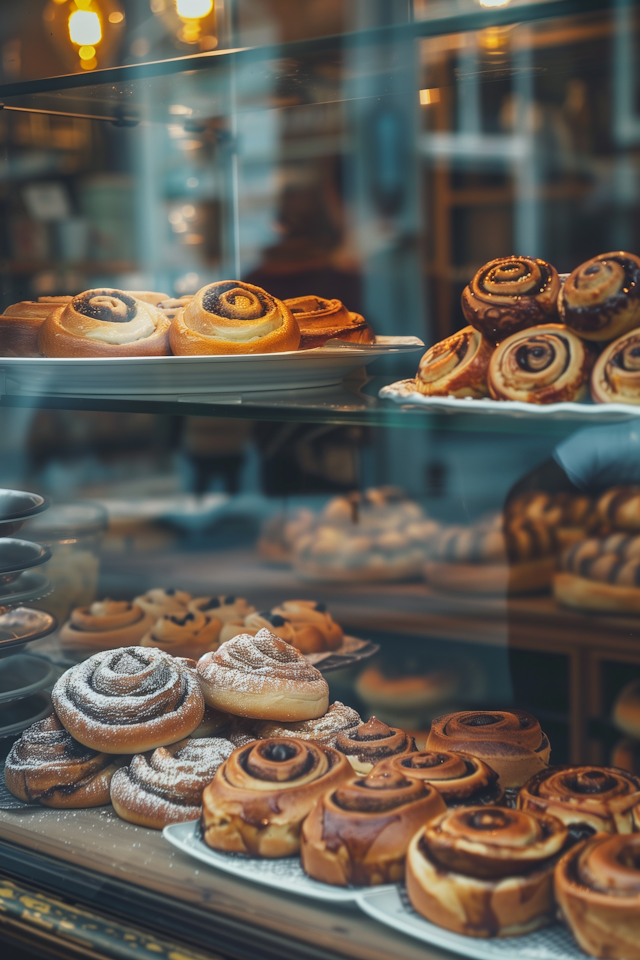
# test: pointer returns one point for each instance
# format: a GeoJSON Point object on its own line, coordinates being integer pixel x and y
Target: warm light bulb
{"type": "Point", "coordinates": [84, 28]}
{"type": "Point", "coordinates": [194, 9]}
{"type": "Point", "coordinates": [493, 3]}
{"type": "Point", "coordinates": [116, 17]}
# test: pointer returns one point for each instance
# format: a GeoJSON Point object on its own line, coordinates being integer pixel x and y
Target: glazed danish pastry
{"type": "Point", "coordinates": [231, 316]}
{"type": "Point", "coordinates": [104, 625]}
{"type": "Point", "coordinates": [601, 574]}
{"type": "Point", "coordinates": [166, 786]}
{"type": "Point", "coordinates": [460, 780]}
{"type": "Point", "coordinates": [321, 320]}
{"type": "Point", "coordinates": [338, 719]}
{"type": "Point", "coordinates": [159, 602]}
{"type": "Point", "coordinates": [456, 367]}
{"type": "Point", "coordinates": [510, 294]}
{"type": "Point", "coordinates": [105, 323]}
{"type": "Point", "coordinates": [600, 299]}
{"type": "Point", "coordinates": [485, 871]}
{"type": "Point", "coordinates": [358, 834]}
{"type": "Point", "coordinates": [371, 742]}
{"type": "Point", "coordinates": [129, 700]}
{"type": "Point", "coordinates": [597, 886]}
{"type": "Point", "coordinates": [259, 797]}
{"type": "Point", "coordinates": [20, 324]}
{"type": "Point", "coordinates": [46, 765]}
{"type": "Point", "coordinates": [616, 374]}
{"type": "Point", "coordinates": [547, 364]}
{"type": "Point", "coordinates": [184, 634]}
{"type": "Point", "coordinates": [509, 741]}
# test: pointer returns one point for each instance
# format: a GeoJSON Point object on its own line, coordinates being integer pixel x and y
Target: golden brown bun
{"type": "Point", "coordinates": [105, 323]}
{"type": "Point", "coordinates": [494, 542]}
{"type": "Point", "coordinates": [600, 300]}
{"type": "Point", "coordinates": [616, 374]}
{"type": "Point", "coordinates": [321, 320]}
{"type": "Point", "coordinates": [510, 294]}
{"type": "Point", "coordinates": [626, 710]}
{"type": "Point", "coordinates": [259, 797]}
{"type": "Point", "coordinates": [373, 741]}
{"type": "Point", "coordinates": [105, 625]}
{"type": "Point", "coordinates": [226, 608]}
{"type": "Point", "coordinates": [358, 834]}
{"type": "Point", "coordinates": [314, 629]}
{"type": "Point", "coordinates": [582, 594]}
{"type": "Point", "coordinates": [619, 507]}
{"type": "Point", "coordinates": [159, 602]}
{"type": "Point", "coordinates": [530, 576]}
{"type": "Point", "coordinates": [597, 886]}
{"type": "Point", "coordinates": [20, 324]}
{"type": "Point", "coordinates": [509, 741]}
{"type": "Point", "coordinates": [456, 367]}
{"type": "Point", "coordinates": [184, 634]}
{"type": "Point", "coordinates": [405, 693]}
{"type": "Point", "coordinates": [324, 730]}
{"type": "Point", "coordinates": [626, 756]}
{"type": "Point", "coordinates": [231, 317]}
{"type": "Point", "coordinates": [600, 797]}
{"type": "Point", "coordinates": [459, 779]}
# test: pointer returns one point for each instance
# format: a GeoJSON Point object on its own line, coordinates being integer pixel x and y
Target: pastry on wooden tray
{"type": "Point", "coordinates": [105, 625]}
{"type": "Point", "coordinates": [20, 324]}
{"type": "Point", "coordinates": [321, 320]}
{"type": "Point", "coordinates": [601, 574]}
{"type": "Point", "coordinates": [616, 374]}
{"type": "Point", "coordinates": [456, 367]}
{"type": "Point", "coordinates": [460, 779]}
{"type": "Point", "coordinates": [600, 299]}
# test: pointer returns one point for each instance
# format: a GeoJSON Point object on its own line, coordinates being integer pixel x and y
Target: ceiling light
{"type": "Point", "coordinates": [493, 3]}
{"type": "Point", "coordinates": [194, 9]}
{"type": "Point", "coordinates": [84, 28]}
{"type": "Point", "coordinates": [116, 17]}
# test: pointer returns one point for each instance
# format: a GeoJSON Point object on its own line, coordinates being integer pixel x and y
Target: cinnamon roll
{"type": "Point", "coordinates": [184, 634]}
{"type": "Point", "coordinates": [456, 366]}
{"type": "Point", "coordinates": [601, 574]}
{"type": "Point", "coordinates": [597, 885]}
{"type": "Point", "coordinates": [548, 364]}
{"type": "Point", "coordinates": [570, 516]}
{"type": "Point", "coordinates": [166, 786]}
{"type": "Point", "coordinates": [226, 609]}
{"type": "Point", "coordinates": [509, 741]}
{"type": "Point", "coordinates": [324, 730]}
{"type": "Point", "coordinates": [105, 323]}
{"type": "Point", "coordinates": [460, 780]}
{"type": "Point", "coordinates": [20, 324]}
{"type": "Point", "coordinates": [259, 797]}
{"type": "Point", "coordinates": [320, 320]}
{"type": "Point", "coordinates": [600, 300]}
{"type": "Point", "coordinates": [373, 741]}
{"type": "Point", "coordinates": [510, 294]}
{"type": "Point", "coordinates": [104, 625]}
{"type": "Point", "coordinates": [587, 799]}
{"type": "Point", "coordinates": [626, 710]}
{"type": "Point", "coordinates": [129, 700]}
{"type": "Point", "coordinates": [616, 374]}
{"type": "Point", "coordinates": [619, 507]}
{"type": "Point", "coordinates": [213, 724]}
{"type": "Point", "coordinates": [159, 602]}
{"type": "Point", "coordinates": [485, 871]}
{"type": "Point", "coordinates": [264, 678]}
{"type": "Point", "coordinates": [171, 305]}
{"type": "Point", "coordinates": [231, 316]}
{"type": "Point", "coordinates": [314, 629]}
{"type": "Point", "coordinates": [254, 622]}
{"type": "Point", "coordinates": [358, 833]}
{"type": "Point", "coordinates": [46, 765]}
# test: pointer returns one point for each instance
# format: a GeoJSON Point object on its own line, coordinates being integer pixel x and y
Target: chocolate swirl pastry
{"type": "Point", "coordinates": [373, 741]}
{"type": "Point", "coordinates": [600, 300]}
{"type": "Point", "coordinates": [358, 834]}
{"type": "Point", "coordinates": [231, 316]}
{"type": "Point", "coordinates": [587, 799]}
{"type": "Point", "coordinates": [166, 786]}
{"type": "Point", "coordinates": [159, 602]}
{"type": "Point", "coordinates": [597, 886]}
{"type": "Point", "coordinates": [259, 797]}
{"type": "Point", "coordinates": [105, 624]}
{"type": "Point", "coordinates": [509, 741]}
{"type": "Point", "coordinates": [184, 634]}
{"type": "Point", "coordinates": [510, 294]}
{"type": "Point", "coordinates": [556, 510]}
{"type": "Point", "coordinates": [456, 367]}
{"type": "Point", "coordinates": [485, 871]}
{"type": "Point", "coordinates": [320, 320]}
{"type": "Point", "coordinates": [601, 574]}
{"type": "Point", "coordinates": [460, 780]}
{"type": "Point", "coordinates": [129, 700]}
{"type": "Point", "coordinates": [619, 507]}
{"type": "Point", "coordinates": [338, 719]}
{"type": "Point", "coordinates": [548, 364]}
{"type": "Point", "coordinates": [616, 374]}
{"type": "Point", "coordinates": [46, 765]}
{"type": "Point", "coordinates": [105, 323]}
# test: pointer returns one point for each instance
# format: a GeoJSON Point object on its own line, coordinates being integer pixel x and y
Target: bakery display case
{"type": "Point", "coordinates": [319, 482]}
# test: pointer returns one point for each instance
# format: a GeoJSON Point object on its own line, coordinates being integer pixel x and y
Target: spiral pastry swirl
{"type": "Point", "coordinates": [373, 741]}
{"type": "Point", "coordinates": [456, 366]}
{"type": "Point", "coordinates": [600, 300]}
{"type": "Point", "coordinates": [460, 780]}
{"type": "Point", "coordinates": [509, 741]}
{"type": "Point", "coordinates": [338, 719]}
{"type": "Point", "coordinates": [587, 799]}
{"type": "Point", "coordinates": [184, 634]}
{"type": "Point", "coordinates": [358, 834]}
{"type": "Point", "coordinates": [46, 765]}
{"type": "Point", "coordinates": [620, 508]}
{"type": "Point", "coordinates": [321, 320]}
{"type": "Point", "coordinates": [515, 541]}
{"type": "Point", "coordinates": [226, 608]}
{"type": "Point", "coordinates": [104, 625]}
{"type": "Point", "coordinates": [166, 786]}
{"type": "Point", "coordinates": [230, 317]}
{"type": "Point", "coordinates": [159, 602]}
{"type": "Point", "coordinates": [601, 574]}
{"type": "Point", "coordinates": [616, 374]}
{"type": "Point", "coordinates": [129, 700]}
{"type": "Point", "coordinates": [597, 887]}
{"type": "Point", "coordinates": [259, 797]}
{"type": "Point", "coordinates": [546, 364]}
{"type": "Point", "coordinates": [510, 294]}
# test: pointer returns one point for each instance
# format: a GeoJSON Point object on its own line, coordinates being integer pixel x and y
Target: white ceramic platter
{"type": "Point", "coordinates": [390, 906]}
{"type": "Point", "coordinates": [167, 377]}
{"type": "Point", "coordinates": [284, 874]}
{"type": "Point", "coordinates": [404, 392]}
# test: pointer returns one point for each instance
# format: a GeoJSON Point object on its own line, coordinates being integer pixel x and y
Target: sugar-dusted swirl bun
{"type": "Point", "coordinates": [166, 786]}
{"type": "Point", "coordinates": [314, 628]}
{"type": "Point", "coordinates": [547, 364]}
{"type": "Point", "coordinates": [46, 765]}
{"type": "Point", "coordinates": [226, 609]}
{"type": "Point", "coordinates": [485, 871]}
{"type": "Point", "coordinates": [324, 730]}
{"type": "Point", "coordinates": [591, 799]}
{"type": "Point", "coordinates": [320, 320]}
{"type": "Point", "coordinates": [264, 678]}
{"type": "Point", "coordinates": [231, 316]}
{"type": "Point", "coordinates": [460, 780]}
{"type": "Point", "coordinates": [456, 366]}
{"type": "Point", "coordinates": [184, 634]}
{"type": "Point", "coordinates": [259, 797]}
{"type": "Point", "coordinates": [601, 574]}
{"type": "Point", "coordinates": [105, 323]}
{"type": "Point", "coordinates": [158, 602]}
{"type": "Point", "coordinates": [129, 700]}
{"type": "Point", "coordinates": [104, 625]}
{"type": "Point", "coordinates": [597, 885]}
{"type": "Point", "coordinates": [510, 294]}
{"type": "Point", "coordinates": [373, 741]}
{"type": "Point", "coordinates": [358, 834]}
{"type": "Point", "coordinates": [600, 300]}
{"type": "Point", "coordinates": [616, 374]}
{"type": "Point", "coordinates": [509, 741]}
{"type": "Point", "coordinates": [619, 507]}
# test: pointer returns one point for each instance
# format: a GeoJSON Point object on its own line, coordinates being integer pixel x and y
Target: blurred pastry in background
{"type": "Point", "coordinates": [185, 634]}
{"type": "Point", "coordinates": [280, 532]}
{"type": "Point", "coordinates": [21, 322]}
{"type": "Point", "coordinates": [601, 574]}
{"type": "Point", "coordinates": [572, 516]}
{"type": "Point", "coordinates": [456, 367]}
{"type": "Point", "coordinates": [227, 609]}
{"type": "Point", "coordinates": [619, 507]}
{"type": "Point", "coordinates": [626, 755]}
{"type": "Point", "coordinates": [405, 700]}
{"type": "Point", "coordinates": [626, 710]}
{"type": "Point", "coordinates": [600, 299]}
{"type": "Point", "coordinates": [305, 624]}
{"type": "Point", "coordinates": [105, 625]}
{"type": "Point", "coordinates": [160, 601]}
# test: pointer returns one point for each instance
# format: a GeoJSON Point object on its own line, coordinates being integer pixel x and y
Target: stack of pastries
{"type": "Point", "coordinates": [536, 339]}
